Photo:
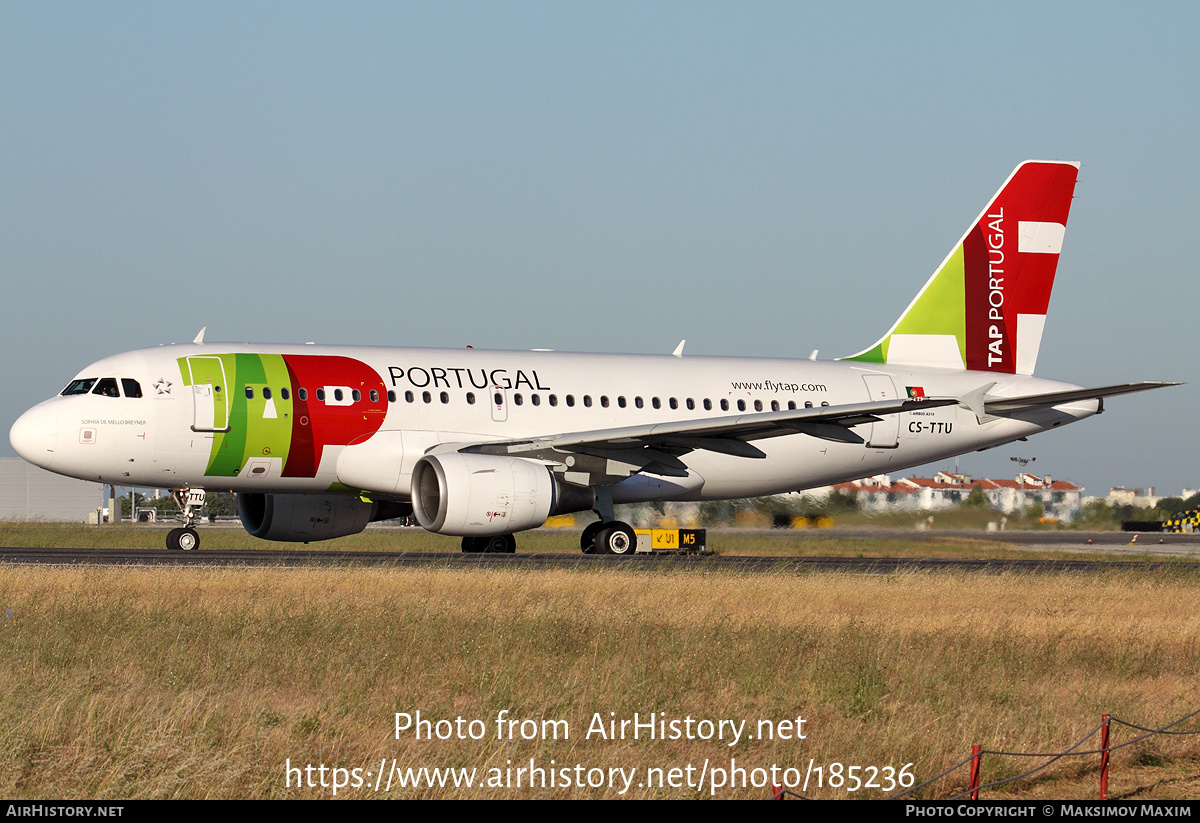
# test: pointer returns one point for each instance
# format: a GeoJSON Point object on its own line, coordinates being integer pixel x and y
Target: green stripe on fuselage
{"type": "Point", "coordinates": [253, 432]}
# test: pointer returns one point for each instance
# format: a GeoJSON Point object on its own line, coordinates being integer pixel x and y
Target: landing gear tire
{"type": "Point", "coordinates": [616, 538]}
{"type": "Point", "coordinates": [500, 544]}
{"type": "Point", "coordinates": [496, 544]}
{"type": "Point", "coordinates": [587, 540]}
{"type": "Point", "coordinates": [186, 540]}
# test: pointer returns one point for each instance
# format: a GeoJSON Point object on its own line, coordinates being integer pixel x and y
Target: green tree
{"type": "Point", "coordinates": [977, 499]}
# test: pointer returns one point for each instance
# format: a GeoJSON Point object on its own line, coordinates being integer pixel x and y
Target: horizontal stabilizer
{"type": "Point", "coordinates": [1009, 405]}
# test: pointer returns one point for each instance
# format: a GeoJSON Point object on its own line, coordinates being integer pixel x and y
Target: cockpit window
{"type": "Point", "coordinates": [107, 387]}
{"type": "Point", "coordinates": [79, 386]}
{"type": "Point", "coordinates": [131, 387]}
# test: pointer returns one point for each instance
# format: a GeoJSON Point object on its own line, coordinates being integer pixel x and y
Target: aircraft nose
{"type": "Point", "coordinates": [35, 436]}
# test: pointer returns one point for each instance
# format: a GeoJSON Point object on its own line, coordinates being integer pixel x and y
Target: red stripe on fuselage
{"type": "Point", "coordinates": [316, 423]}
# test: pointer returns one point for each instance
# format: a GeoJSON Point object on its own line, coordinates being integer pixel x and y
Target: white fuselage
{"type": "Point", "coordinates": [168, 437]}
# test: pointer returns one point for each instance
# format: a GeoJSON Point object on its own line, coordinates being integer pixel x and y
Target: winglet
{"type": "Point", "coordinates": [679, 349]}
{"type": "Point", "coordinates": [200, 337]}
{"type": "Point", "coordinates": [985, 307]}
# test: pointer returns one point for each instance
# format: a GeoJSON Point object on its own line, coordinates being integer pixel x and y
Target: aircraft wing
{"type": "Point", "coordinates": [1009, 405]}
{"type": "Point", "coordinates": [656, 447]}
{"type": "Point", "coordinates": [727, 435]}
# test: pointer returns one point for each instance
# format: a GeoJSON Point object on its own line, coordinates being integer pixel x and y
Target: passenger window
{"type": "Point", "coordinates": [724, 405]}
{"type": "Point", "coordinates": [374, 396]}
{"type": "Point", "coordinates": [758, 405]}
{"type": "Point", "coordinates": [535, 399]}
{"type": "Point", "coordinates": [321, 395]}
{"type": "Point", "coordinates": [691, 404]}
{"type": "Point", "coordinates": [674, 403]}
{"type": "Point", "coordinates": [285, 394]}
{"type": "Point", "coordinates": [444, 397]}
{"type": "Point", "coordinates": [132, 388]}
{"type": "Point", "coordinates": [408, 397]}
{"type": "Point", "coordinates": [107, 387]}
{"type": "Point", "coordinates": [824, 402]}
{"type": "Point", "coordinates": [79, 386]}
{"type": "Point", "coordinates": [426, 397]}
{"type": "Point", "coordinates": [498, 399]}
{"type": "Point", "coordinates": [774, 405]}
{"type": "Point", "coordinates": [637, 401]}
{"type": "Point", "coordinates": [707, 404]}
{"type": "Point", "coordinates": [338, 395]}
{"type": "Point", "coordinates": [355, 395]}
{"type": "Point", "coordinates": [604, 400]}
{"type": "Point", "coordinates": [808, 404]}
{"type": "Point", "coordinates": [621, 401]}
{"type": "Point", "coordinates": [554, 400]}
{"type": "Point", "coordinates": [570, 400]}
{"type": "Point", "coordinates": [587, 400]}
{"type": "Point", "coordinates": [470, 398]}
{"type": "Point", "coordinates": [655, 402]}
{"type": "Point", "coordinates": [741, 405]}
{"type": "Point", "coordinates": [266, 392]}
{"type": "Point", "coordinates": [791, 404]}
{"type": "Point", "coordinates": [302, 394]}
{"type": "Point", "coordinates": [518, 399]}
{"type": "Point", "coordinates": [391, 395]}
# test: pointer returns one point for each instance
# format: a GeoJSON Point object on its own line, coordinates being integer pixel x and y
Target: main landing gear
{"type": "Point", "coordinates": [186, 539]}
{"type": "Point", "coordinates": [608, 537]}
{"type": "Point", "coordinates": [494, 544]}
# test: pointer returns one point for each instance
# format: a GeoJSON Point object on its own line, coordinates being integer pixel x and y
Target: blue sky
{"type": "Point", "coordinates": [762, 179]}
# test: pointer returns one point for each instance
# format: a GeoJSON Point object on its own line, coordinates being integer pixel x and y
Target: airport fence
{"type": "Point", "coordinates": [975, 761]}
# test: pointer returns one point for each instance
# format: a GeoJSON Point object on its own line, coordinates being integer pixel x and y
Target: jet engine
{"type": "Point", "coordinates": [474, 495]}
{"type": "Point", "coordinates": [307, 517]}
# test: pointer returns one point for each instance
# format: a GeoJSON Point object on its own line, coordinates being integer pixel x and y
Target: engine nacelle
{"type": "Point", "coordinates": [475, 495]}
{"type": "Point", "coordinates": [303, 518]}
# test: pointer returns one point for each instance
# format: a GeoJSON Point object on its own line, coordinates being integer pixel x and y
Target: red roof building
{"type": "Point", "coordinates": [1059, 498]}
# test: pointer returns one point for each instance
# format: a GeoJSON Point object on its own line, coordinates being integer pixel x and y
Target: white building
{"type": "Point", "coordinates": [30, 493]}
{"type": "Point", "coordinates": [1059, 499]}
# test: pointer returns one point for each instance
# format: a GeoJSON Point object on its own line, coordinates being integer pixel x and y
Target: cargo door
{"type": "Point", "coordinates": [886, 433]}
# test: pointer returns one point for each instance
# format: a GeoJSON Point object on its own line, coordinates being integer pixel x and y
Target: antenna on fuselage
{"type": "Point", "coordinates": [200, 337]}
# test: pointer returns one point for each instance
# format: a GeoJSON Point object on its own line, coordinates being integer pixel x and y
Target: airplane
{"type": "Point", "coordinates": [319, 441]}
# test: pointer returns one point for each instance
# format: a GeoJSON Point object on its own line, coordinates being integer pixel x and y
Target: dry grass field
{"type": "Point", "coordinates": [205, 683]}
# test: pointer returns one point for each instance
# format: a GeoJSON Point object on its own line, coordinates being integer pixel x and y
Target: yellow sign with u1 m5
{"type": "Point", "coordinates": [670, 540]}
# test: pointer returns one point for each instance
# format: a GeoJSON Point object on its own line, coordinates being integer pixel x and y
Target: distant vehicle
{"type": "Point", "coordinates": [1184, 522]}
{"type": "Point", "coordinates": [318, 441]}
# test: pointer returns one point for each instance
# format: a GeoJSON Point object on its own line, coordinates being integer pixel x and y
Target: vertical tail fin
{"type": "Point", "coordinates": [985, 307]}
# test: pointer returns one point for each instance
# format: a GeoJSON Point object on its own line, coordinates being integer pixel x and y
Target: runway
{"type": "Point", "coordinates": [581, 562]}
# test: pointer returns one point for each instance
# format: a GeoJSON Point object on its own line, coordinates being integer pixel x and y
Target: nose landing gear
{"type": "Point", "coordinates": [186, 539]}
